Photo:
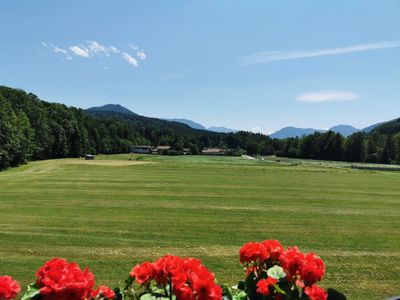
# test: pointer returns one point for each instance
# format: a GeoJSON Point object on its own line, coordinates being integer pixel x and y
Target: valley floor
{"type": "Point", "coordinates": [110, 213]}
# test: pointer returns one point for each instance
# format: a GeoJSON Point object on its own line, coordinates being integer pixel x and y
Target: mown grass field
{"type": "Point", "coordinates": [111, 213]}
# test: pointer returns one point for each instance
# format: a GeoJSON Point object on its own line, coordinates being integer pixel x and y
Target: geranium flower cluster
{"type": "Point", "coordinates": [272, 273]}
{"type": "Point", "coordinates": [9, 288]}
{"type": "Point", "coordinates": [276, 273]}
{"type": "Point", "coordinates": [59, 279]}
{"type": "Point", "coordinates": [185, 278]}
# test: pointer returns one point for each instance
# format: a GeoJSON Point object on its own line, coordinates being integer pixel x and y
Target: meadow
{"type": "Point", "coordinates": [111, 213]}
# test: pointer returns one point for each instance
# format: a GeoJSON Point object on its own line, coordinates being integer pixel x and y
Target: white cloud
{"type": "Point", "coordinates": [80, 51]}
{"type": "Point", "coordinates": [132, 61]}
{"type": "Point", "coordinates": [271, 56]}
{"type": "Point", "coordinates": [114, 50]}
{"type": "Point", "coordinates": [59, 50]}
{"type": "Point", "coordinates": [95, 49]}
{"type": "Point", "coordinates": [141, 55]}
{"type": "Point", "coordinates": [327, 96]}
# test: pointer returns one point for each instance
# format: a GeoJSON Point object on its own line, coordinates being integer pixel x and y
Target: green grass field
{"type": "Point", "coordinates": [111, 213]}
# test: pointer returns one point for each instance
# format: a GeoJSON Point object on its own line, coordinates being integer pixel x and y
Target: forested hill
{"type": "Point", "coordinates": [32, 129]}
{"type": "Point", "coordinates": [391, 127]}
{"type": "Point", "coordinates": [111, 107]}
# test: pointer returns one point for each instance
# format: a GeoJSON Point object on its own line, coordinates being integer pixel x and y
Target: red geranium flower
{"type": "Point", "coordinates": [291, 261]}
{"type": "Point", "coordinates": [166, 267]}
{"type": "Point", "coordinates": [264, 286]}
{"type": "Point", "coordinates": [184, 292]}
{"type": "Point", "coordinates": [274, 248]}
{"type": "Point", "coordinates": [9, 288]}
{"type": "Point", "coordinates": [313, 269]}
{"type": "Point", "coordinates": [316, 293]}
{"type": "Point", "coordinates": [143, 273]}
{"type": "Point", "coordinates": [61, 280]}
{"type": "Point", "coordinates": [104, 292]}
{"type": "Point", "coordinates": [253, 252]}
{"type": "Point", "coordinates": [190, 280]}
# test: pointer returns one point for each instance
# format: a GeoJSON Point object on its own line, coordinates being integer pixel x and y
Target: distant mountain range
{"type": "Point", "coordinates": [344, 130]}
{"type": "Point", "coordinates": [221, 129]}
{"type": "Point", "coordinates": [283, 133]}
{"type": "Point", "coordinates": [201, 127]}
{"type": "Point", "coordinates": [116, 108]}
{"type": "Point", "coordinates": [189, 123]}
{"type": "Point", "coordinates": [164, 128]}
{"type": "Point", "coordinates": [290, 131]}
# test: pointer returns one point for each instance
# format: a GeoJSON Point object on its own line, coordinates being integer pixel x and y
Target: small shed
{"type": "Point", "coordinates": [89, 157]}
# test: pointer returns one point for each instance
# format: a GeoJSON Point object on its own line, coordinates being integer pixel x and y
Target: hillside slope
{"type": "Point", "coordinates": [391, 127]}
{"type": "Point", "coordinates": [190, 123]}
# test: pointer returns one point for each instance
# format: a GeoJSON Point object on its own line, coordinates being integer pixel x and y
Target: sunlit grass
{"type": "Point", "coordinates": [114, 212]}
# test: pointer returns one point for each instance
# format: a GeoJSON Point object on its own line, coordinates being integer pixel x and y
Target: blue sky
{"type": "Point", "coordinates": [252, 65]}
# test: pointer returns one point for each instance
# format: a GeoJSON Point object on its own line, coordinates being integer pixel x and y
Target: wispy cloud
{"type": "Point", "coordinates": [80, 51]}
{"type": "Point", "coordinates": [93, 49]}
{"type": "Point", "coordinates": [114, 50]}
{"type": "Point", "coordinates": [132, 61]}
{"type": "Point", "coordinates": [328, 96]}
{"type": "Point", "coordinates": [271, 56]}
{"type": "Point", "coordinates": [59, 50]}
{"type": "Point", "coordinates": [96, 48]}
{"type": "Point", "coordinates": [141, 55]}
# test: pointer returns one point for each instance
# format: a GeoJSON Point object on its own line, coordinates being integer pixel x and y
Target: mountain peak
{"type": "Point", "coordinates": [196, 125]}
{"type": "Point", "coordinates": [111, 108]}
{"type": "Point", "coordinates": [291, 131]}
{"type": "Point", "coordinates": [344, 130]}
{"type": "Point", "coordinates": [190, 123]}
{"type": "Point", "coordinates": [221, 129]}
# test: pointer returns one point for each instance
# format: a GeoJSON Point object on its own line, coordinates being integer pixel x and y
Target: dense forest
{"type": "Point", "coordinates": [32, 129]}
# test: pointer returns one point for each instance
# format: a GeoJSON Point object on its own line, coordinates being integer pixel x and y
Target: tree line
{"type": "Point", "coordinates": [33, 129]}
{"type": "Point", "coordinates": [373, 147]}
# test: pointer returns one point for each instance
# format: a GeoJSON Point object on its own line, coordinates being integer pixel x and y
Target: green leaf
{"type": "Point", "coordinates": [240, 296]}
{"type": "Point", "coordinates": [157, 290]}
{"type": "Point", "coordinates": [279, 290]}
{"type": "Point", "coordinates": [33, 291]}
{"type": "Point", "coordinates": [276, 272]}
{"type": "Point", "coordinates": [226, 292]}
{"type": "Point", "coordinates": [148, 297]}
